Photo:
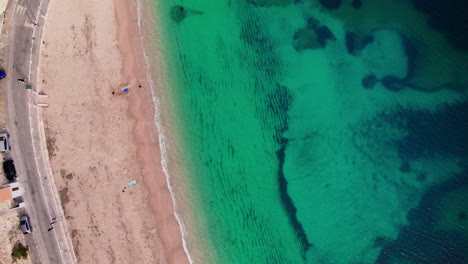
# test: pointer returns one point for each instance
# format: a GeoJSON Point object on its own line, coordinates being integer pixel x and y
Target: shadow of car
{"type": "Point", "coordinates": [9, 169]}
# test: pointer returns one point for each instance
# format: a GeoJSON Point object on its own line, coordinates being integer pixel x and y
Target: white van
{"type": "Point", "coordinates": [25, 224]}
{"type": "Point", "coordinates": [4, 143]}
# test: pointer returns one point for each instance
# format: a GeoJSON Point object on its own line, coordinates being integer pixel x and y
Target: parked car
{"type": "Point", "coordinates": [9, 169]}
{"type": "Point", "coordinates": [4, 142]}
{"type": "Point", "coordinates": [25, 224]}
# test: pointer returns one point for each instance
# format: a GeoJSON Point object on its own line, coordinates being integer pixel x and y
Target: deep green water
{"type": "Point", "coordinates": [294, 158]}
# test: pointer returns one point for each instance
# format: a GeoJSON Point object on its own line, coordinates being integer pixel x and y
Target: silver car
{"type": "Point", "coordinates": [25, 224]}
{"type": "Point", "coordinates": [4, 142]}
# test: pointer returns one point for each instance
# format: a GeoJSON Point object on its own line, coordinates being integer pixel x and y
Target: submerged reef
{"type": "Point", "coordinates": [305, 38]}
{"type": "Point", "coordinates": [288, 203]}
{"type": "Point", "coordinates": [266, 3]}
{"type": "Point", "coordinates": [313, 36]}
{"type": "Point", "coordinates": [331, 4]}
{"type": "Point", "coordinates": [369, 81]}
{"type": "Point", "coordinates": [393, 83]}
{"type": "Point", "coordinates": [357, 3]}
{"type": "Point", "coordinates": [442, 132]}
{"type": "Point", "coordinates": [437, 230]}
{"type": "Point", "coordinates": [355, 42]}
{"type": "Point", "coordinates": [430, 69]}
{"type": "Point", "coordinates": [449, 17]}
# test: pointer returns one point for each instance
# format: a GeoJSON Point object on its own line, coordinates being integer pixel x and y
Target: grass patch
{"type": "Point", "coordinates": [19, 251]}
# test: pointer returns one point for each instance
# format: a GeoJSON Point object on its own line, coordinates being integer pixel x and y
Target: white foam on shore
{"type": "Point", "coordinates": [163, 143]}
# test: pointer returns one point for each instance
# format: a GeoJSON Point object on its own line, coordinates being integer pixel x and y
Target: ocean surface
{"type": "Point", "coordinates": [322, 131]}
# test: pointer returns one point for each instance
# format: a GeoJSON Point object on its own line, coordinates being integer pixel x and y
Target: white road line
{"type": "Point", "coordinates": [39, 9]}
{"type": "Point", "coordinates": [32, 129]}
{"type": "Point", "coordinates": [13, 15]}
{"type": "Point", "coordinates": [69, 243]}
{"type": "Point", "coordinates": [21, 10]}
{"type": "Point", "coordinates": [40, 177]}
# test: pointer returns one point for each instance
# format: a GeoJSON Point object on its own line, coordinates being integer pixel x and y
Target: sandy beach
{"type": "Point", "coordinates": [98, 142]}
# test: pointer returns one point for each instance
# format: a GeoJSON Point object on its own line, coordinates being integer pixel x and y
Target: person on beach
{"type": "Point", "coordinates": [121, 91]}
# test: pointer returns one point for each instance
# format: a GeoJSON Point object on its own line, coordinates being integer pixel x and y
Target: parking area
{"type": "Point", "coordinates": [10, 233]}
{"type": "Point", "coordinates": [3, 113]}
{"type": "Point", "coordinates": [3, 127]}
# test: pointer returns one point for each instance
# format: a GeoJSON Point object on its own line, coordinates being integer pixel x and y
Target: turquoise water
{"type": "Point", "coordinates": [314, 135]}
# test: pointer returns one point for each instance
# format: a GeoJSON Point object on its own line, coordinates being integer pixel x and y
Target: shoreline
{"type": "Point", "coordinates": [175, 161]}
{"type": "Point", "coordinates": [137, 110]}
{"type": "Point", "coordinates": [98, 142]}
{"type": "Point", "coordinates": [158, 117]}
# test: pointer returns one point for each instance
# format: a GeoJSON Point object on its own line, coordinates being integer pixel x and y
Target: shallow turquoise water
{"type": "Point", "coordinates": [293, 158]}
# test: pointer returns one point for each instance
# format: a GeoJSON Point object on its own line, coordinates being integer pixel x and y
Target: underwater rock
{"type": "Point", "coordinates": [438, 64]}
{"type": "Point", "coordinates": [369, 81]}
{"type": "Point", "coordinates": [178, 13]}
{"type": "Point", "coordinates": [421, 177]}
{"type": "Point", "coordinates": [392, 83]}
{"type": "Point", "coordinates": [357, 3]}
{"type": "Point", "coordinates": [355, 43]}
{"type": "Point", "coordinates": [351, 42]}
{"type": "Point", "coordinates": [266, 3]}
{"type": "Point", "coordinates": [313, 23]}
{"type": "Point", "coordinates": [411, 54]}
{"type": "Point", "coordinates": [306, 38]}
{"type": "Point", "coordinates": [405, 167]}
{"type": "Point", "coordinates": [381, 241]}
{"type": "Point", "coordinates": [330, 4]}
{"type": "Point", "coordinates": [385, 54]}
{"type": "Point", "coordinates": [323, 33]}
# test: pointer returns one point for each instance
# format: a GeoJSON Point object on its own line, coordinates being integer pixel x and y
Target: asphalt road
{"type": "Point", "coordinates": [21, 55]}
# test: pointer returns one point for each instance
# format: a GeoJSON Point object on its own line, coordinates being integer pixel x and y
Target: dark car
{"type": "Point", "coordinates": [9, 168]}
{"type": "Point", "coordinates": [2, 74]}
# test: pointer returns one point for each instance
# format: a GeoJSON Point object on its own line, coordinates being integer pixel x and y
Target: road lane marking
{"type": "Point", "coordinates": [68, 251]}
{"type": "Point", "coordinates": [20, 10]}
{"type": "Point", "coordinates": [42, 184]}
